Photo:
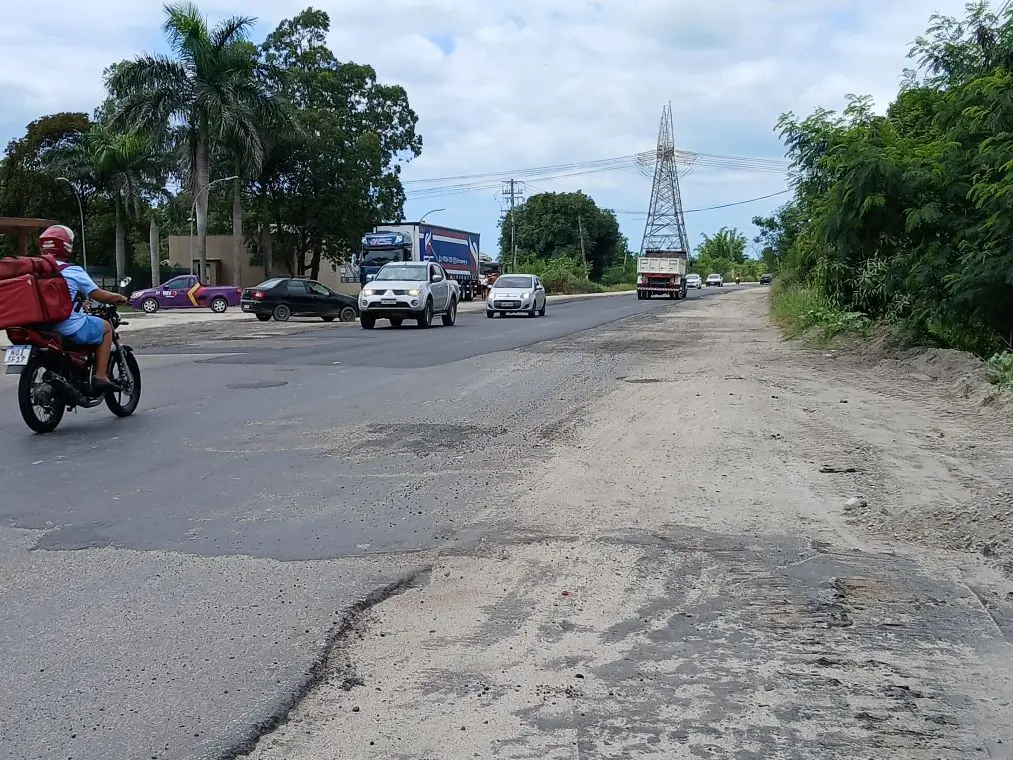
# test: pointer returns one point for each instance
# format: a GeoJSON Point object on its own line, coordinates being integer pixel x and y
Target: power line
{"type": "Point", "coordinates": [723, 205]}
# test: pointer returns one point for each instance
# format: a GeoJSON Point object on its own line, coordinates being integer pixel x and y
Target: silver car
{"type": "Point", "coordinates": [516, 294]}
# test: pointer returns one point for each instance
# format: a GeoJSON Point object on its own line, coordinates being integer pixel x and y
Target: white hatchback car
{"type": "Point", "coordinates": [694, 281]}
{"type": "Point", "coordinates": [516, 294]}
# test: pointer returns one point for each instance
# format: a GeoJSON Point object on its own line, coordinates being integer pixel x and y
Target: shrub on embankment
{"type": "Point", "coordinates": [904, 220]}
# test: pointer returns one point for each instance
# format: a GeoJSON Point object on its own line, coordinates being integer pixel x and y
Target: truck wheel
{"type": "Point", "coordinates": [219, 305]}
{"type": "Point", "coordinates": [368, 323]}
{"type": "Point", "coordinates": [426, 320]}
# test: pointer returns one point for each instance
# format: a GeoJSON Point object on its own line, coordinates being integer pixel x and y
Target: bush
{"type": "Point", "coordinates": [562, 275]}
{"type": "Point", "coordinates": [1000, 369]}
{"type": "Point", "coordinates": [801, 311]}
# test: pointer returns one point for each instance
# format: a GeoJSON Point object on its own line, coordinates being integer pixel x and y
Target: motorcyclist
{"type": "Point", "coordinates": [80, 327]}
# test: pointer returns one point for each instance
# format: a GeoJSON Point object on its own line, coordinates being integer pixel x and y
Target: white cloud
{"type": "Point", "coordinates": [535, 82]}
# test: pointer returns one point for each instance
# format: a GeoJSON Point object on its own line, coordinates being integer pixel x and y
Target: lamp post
{"type": "Point", "coordinates": [193, 214]}
{"type": "Point", "coordinates": [431, 211]}
{"type": "Point", "coordinates": [80, 211]}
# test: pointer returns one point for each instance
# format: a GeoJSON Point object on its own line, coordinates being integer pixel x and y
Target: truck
{"type": "Point", "coordinates": [456, 251]}
{"type": "Point", "coordinates": [186, 292]}
{"type": "Point", "coordinates": [662, 272]}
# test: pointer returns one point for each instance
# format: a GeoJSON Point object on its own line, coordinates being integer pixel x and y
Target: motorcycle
{"type": "Point", "coordinates": [56, 375]}
{"type": "Point", "coordinates": [737, 279]}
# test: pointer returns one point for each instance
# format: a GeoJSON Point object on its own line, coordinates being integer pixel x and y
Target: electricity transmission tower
{"type": "Point", "coordinates": [666, 225]}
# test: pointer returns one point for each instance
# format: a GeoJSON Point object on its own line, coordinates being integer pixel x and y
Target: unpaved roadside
{"type": "Point", "coordinates": [680, 576]}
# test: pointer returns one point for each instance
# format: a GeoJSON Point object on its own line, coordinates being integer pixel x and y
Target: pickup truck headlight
{"type": "Point", "coordinates": [369, 292]}
{"type": "Point", "coordinates": [413, 292]}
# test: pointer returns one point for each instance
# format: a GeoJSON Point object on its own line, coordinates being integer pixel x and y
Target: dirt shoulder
{"type": "Point", "coordinates": [683, 573]}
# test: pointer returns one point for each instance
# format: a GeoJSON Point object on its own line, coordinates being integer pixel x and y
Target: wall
{"type": "Point", "coordinates": [220, 265]}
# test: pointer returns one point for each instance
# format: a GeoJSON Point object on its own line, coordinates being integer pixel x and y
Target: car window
{"type": "Point", "coordinates": [295, 288]}
{"type": "Point", "coordinates": [177, 283]}
{"type": "Point", "coordinates": [268, 284]}
{"type": "Point", "coordinates": [317, 288]}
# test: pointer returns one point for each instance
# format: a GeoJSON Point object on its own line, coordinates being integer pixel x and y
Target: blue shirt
{"type": "Point", "coordinates": [81, 285]}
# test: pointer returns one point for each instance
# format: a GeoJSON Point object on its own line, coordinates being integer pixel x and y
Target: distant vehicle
{"type": "Point", "coordinates": [516, 294]}
{"type": "Point", "coordinates": [286, 297]}
{"type": "Point", "coordinates": [766, 279]}
{"type": "Point", "coordinates": [186, 292]}
{"type": "Point", "coordinates": [694, 281]}
{"type": "Point", "coordinates": [661, 273]}
{"type": "Point", "coordinates": [409, 290]}
{"type": "Point", "coordinates": [456, 251]}
{"type": "Point", "coordinates": [715, 280]}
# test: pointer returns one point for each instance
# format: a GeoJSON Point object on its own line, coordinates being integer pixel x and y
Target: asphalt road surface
{"type": "Point", "coordinates": [169, 583]}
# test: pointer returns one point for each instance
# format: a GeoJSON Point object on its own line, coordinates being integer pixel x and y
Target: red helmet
{"type": "Point", "coordinates": [58, 241]}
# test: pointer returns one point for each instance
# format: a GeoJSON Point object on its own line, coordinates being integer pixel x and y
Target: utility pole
{"type": "Point", "coordinates": [513, 190]}
{"type": "Point", "coordinates": [583, 253]}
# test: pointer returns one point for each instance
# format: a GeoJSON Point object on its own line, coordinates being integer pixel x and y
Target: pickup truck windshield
{"type": "Point", "coordinates": [410, 272]}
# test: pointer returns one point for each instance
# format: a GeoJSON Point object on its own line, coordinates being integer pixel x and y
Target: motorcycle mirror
{"type": "Point", "coordinates": [125, 281]}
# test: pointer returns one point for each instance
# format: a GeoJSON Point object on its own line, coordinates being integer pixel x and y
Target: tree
{"type": "Point", "coordinates": [123, 166]}
{"type": "Point", "coordinates": [551, 225]}
{"type": "Point", "coordinates": [908, 216]}
{"type": "Point", "coordinates": [207, 95]}
{"type": "Point", "coordinates": [724, 253]}
{"type": "Point", "coordinates": [27, 187]}
{"type": "Point", "coordinates": [336, 173]}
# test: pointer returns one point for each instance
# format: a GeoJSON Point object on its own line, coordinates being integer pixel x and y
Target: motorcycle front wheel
{"type": "Point", "coordinates": [40, 408]}
{"type": "Point", "coordinates": [124, 403]}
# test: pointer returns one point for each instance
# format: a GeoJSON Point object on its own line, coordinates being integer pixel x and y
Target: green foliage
{"type": "Point", "coordinates": [1000, 367]}
{"type": "Point", "coordinates": [553, 225]}
{"type": "Point", "coordinates": [802, 311]}
{"type": "Point", "coordinates": [561, 275]}
{"type": "Point", "coordinates": [907, 217]}
{"type": "Point", "coordinates": [724, 253]}
{"type": "Point", "coordinates": [318, 145]}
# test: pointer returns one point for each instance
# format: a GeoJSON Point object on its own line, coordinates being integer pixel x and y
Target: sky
{"type": "Point", "coordinates": [510, 88]}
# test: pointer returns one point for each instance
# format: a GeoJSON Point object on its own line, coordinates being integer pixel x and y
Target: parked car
{"type": "Point", "coordinates": [186, 292]}
{"type": "Point", "coordinates": [417, 290]}
{"type": "Point", "coordinates": [516, 294]}
{"type": "Point", "coordinates": [694, 281]}
{"type": "Point", "coordinates": [715, 280]}
{"type": "Point", "coordinates": [766, 279]}
{"type": "Point", "coordinates": [286, 297]}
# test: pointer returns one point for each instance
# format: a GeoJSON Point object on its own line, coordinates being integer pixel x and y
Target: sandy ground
{"type": "Point", "coordinates": [682, 575]}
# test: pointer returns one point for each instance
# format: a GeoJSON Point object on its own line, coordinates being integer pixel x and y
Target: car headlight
{"type": "Point", "coordinates": [369, 292]}
{"type": "Point", "coordinates": [134, 294]}
{"type": "Point", "coordinates": [413, 292]}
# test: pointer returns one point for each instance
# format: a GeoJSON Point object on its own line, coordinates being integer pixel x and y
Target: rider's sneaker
{"type": "Point", "coordinates": [103, 386]}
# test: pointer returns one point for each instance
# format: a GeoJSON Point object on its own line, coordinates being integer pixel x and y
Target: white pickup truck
{"type": "Point", "coordinates": [401, 290]}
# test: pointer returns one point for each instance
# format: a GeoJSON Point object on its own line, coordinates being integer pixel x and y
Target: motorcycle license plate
{"type": "Point", "coordinates": [15, 359]}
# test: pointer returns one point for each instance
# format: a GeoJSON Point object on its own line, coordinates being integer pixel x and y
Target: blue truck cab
{"type": "Point", "coordinates": [455, 250]}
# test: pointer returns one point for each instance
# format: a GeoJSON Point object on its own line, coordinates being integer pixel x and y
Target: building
{"type": "Point", "coordinates": [220, 272]}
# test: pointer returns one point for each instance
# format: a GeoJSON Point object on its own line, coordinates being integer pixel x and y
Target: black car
{"type": "Point", "coordinates": [285, 297]}
{"type": "Point", "coordinates": [766, 279]}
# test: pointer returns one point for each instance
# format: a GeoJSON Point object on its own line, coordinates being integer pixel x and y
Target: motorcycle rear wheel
{"type": "Point", "coordinates": [29, 388]}
{"type": "Point", "coordinates": [124, 404]}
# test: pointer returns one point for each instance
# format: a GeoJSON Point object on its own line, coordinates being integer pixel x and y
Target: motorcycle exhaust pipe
{"type": "Point", "coordinates": [62, 388]}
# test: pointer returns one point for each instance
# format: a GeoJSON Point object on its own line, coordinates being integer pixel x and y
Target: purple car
{"type": "Point", "coordinates": [186, 292]}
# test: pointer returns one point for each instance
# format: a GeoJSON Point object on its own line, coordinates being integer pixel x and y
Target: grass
{"type": "Point", "coordinates": [801, 312]}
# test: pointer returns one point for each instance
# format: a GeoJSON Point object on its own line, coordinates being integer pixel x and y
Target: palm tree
{"type": "Point", "coordinates": [124, 165]}
{"type": "Point", "coordinates": [207, 91]}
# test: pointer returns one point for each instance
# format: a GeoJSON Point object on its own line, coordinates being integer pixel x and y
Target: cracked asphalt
{"type": "Point", "coordinates": [169, 583]}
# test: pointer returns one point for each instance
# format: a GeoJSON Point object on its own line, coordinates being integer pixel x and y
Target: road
{"type": "Point", "coordinates": [628, 528]}
{"type": "Point", "coordinates": [172, 581]}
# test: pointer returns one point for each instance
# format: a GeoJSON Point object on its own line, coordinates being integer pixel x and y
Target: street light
{"type": "Point", "coordinates": [431, 211]}
{"type": "Point", "coordinates": [80, 211]}
{"type": "Point", "coordinates": [193, 214]}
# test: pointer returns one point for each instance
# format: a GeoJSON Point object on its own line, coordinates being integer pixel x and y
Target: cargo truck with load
{"type": "Point", "coordinates": [455, 250]}
{"type": "Point", "coordinates": [662, 273]}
